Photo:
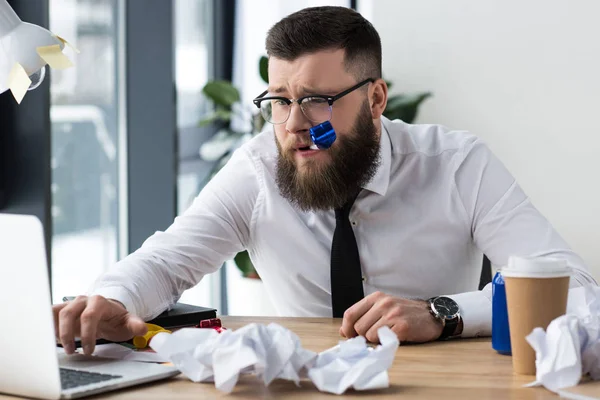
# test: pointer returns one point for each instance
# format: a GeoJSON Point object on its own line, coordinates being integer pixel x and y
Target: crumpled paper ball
{"type": "Point", "coordinates": [274, 352]}
{"type": "Point", "coordinates": [353, 364]}
{"type": "Point", "coordinates": [570, 346]}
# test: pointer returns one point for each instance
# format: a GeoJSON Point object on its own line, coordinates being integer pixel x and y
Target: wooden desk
{"type": "Point", "coordinates": [460, 369]}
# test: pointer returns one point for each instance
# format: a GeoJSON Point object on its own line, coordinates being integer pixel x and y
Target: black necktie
{"type": "Point", "coordinates": [346, 274]}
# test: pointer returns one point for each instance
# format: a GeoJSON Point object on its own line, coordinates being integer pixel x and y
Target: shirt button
{"type": "Point", "coordinates": [354, 223]}
{"type": "Point", "coordinates": [364, 279]}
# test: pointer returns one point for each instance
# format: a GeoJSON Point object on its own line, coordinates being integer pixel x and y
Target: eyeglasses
{"type": "Point", "coordinates": [315, 107]}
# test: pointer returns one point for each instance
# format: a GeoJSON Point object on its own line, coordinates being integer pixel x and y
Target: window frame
{"type": "Point", "coordinates": [148, 112]}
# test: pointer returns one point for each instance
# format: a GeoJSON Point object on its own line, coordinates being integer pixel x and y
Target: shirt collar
{"type": "Point", "coordinates": [380, 182]}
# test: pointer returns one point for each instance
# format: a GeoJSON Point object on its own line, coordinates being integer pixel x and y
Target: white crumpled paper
{"type": "Point", "coordinates": [570, 347]}
{"type": "Point", "coordinates": [353, 364]}
{"type": "Point", "coordinates": [272, 352]}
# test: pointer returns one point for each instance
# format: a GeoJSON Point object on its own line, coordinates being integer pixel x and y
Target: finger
{"type": "Point", "coordinates": [67, 328]}
{"type": "Point", "coordinates": [135, 325]}
{"type": "Point", "coordinates": [370, 318]}
{"type": "Point", "coordinates": [55, 310]}
{"type": "Point", "coordinates": [371, 333]}
{"type": "Point", "coordinates": [90, 318]}
{"type": "Point", "coordinates": [353, 313]}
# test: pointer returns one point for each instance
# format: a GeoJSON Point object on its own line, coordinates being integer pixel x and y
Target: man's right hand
{"type": "Point", "coordinates": [91, 318]}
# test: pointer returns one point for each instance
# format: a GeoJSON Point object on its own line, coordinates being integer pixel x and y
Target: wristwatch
{"type": "Point", "coordinates": [445, 310]}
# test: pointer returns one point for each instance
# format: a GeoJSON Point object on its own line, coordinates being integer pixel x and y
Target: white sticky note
{"type": "Point", "coordinates": [54, 56]}
{"type": "Point", "coordinates": [68, 44]}
{"type": "Point", "coordinates": [18, 82]}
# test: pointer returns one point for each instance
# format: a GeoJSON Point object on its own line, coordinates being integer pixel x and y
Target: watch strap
{"type": "Point", "coordinates": [449, 328]}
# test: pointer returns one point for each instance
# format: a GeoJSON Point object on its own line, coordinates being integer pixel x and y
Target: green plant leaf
{"type": "Point", "coordinates": [405, 106]}
{"type": "Point", "coordinates": [242, 260]}
{"type": "Point", "coordinates": [222, 93]}
{"type": "Point", "coordinates": [388, 83]}
{"type": "Point", "coordinates": [217, 115]}
{"type": "Point", "coordinates": [263, 69]}
{"type": "Point", "coordinates": [208, 119]}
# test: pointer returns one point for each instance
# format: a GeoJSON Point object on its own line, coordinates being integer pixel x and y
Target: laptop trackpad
{"type": "Point", "coordinates": [110, 365]}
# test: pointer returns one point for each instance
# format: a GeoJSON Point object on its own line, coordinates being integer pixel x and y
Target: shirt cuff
{"type": "Point", "coordinates": [116, 293]}
{"type": "Point", "coordinates": [476, 312]}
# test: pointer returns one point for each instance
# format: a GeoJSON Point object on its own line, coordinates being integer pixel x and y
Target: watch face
{"type": "Point", "coordinates": [446, 307]}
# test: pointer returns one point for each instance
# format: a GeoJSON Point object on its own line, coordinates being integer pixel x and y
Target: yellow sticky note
{"type": "Point", "coordinates": [54, 56]}
{"type": "Point", "coordinates": [68, 44]}
{"type": "Point", "coordinates": [18, 82]}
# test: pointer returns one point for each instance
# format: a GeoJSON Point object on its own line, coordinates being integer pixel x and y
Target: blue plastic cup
{"type": "Point", "coordinates": [500, 328]}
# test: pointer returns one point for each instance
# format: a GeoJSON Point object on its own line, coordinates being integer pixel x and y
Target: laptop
{"type": "Point", "coordinates": [30, 363]}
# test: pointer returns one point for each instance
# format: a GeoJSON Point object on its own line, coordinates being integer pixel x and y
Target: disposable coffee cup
{"type": "Point", "coordinates": [536, 294]}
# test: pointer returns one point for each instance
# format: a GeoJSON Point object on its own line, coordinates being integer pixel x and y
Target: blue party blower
{"type": "Point", "coordinates": [323, 135]}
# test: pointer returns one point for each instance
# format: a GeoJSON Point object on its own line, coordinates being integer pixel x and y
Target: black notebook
{"type": "Point", "coordinates": [183, 315]}
{"type": "Point", "coordinates": [179, 316]}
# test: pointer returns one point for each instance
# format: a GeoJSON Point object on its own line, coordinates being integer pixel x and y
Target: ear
{"type": "Point", "coordinates": [378, 93]}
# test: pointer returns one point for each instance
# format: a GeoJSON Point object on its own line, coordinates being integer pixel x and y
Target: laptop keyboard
{"type": "Point", "coordinates": [70, 378]}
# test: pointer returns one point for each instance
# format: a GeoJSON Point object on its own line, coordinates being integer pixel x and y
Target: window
{"type": "Point", "coordinates": [194, 35]}
{"type": "Point", "coordinates": [84, 117]}
{"type": "Point", "coordinates": [193, 25]}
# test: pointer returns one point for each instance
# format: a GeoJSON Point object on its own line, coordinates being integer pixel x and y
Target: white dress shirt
{"type": "Point", "coordinates": [439, 200]}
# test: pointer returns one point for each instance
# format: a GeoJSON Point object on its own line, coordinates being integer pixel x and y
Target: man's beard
{"type": "Point", "coordinates": [353, 164]}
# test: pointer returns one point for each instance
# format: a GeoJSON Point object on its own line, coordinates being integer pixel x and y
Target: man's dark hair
{"type": "Point", "coordinates": [328, 28]}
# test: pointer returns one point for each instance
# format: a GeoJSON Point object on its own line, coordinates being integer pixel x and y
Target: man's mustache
{"type": "Point", "coordinates": [299, 143]}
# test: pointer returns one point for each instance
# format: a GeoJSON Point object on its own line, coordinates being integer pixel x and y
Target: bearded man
{"type": "Point", "coordinates": [385, 225]}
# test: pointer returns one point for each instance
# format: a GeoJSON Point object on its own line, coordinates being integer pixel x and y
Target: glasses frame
{"type": "Point", "coordinates": [330, 100]}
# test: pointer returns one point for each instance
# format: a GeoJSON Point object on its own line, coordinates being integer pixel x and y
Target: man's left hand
{"type": "Point", "coordinates": [410, 320]}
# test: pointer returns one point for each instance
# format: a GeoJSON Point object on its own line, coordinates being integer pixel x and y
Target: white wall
{"type": "Point", "coordinates": [524, 76]}
{"type": "Point", "coordinates": [253, 19]}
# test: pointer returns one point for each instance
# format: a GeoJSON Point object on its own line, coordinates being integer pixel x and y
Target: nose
{"type": "Point", "coordinates": [297, 122]}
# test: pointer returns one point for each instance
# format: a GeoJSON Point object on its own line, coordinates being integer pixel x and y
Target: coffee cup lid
{"type": "Point", "coordinates": [535, 267]}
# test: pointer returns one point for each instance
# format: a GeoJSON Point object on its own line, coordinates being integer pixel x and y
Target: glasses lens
{"type": "Point", "coordinates": [316, 109]}
{"type": "Point", "coordinates": [275, 111]}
